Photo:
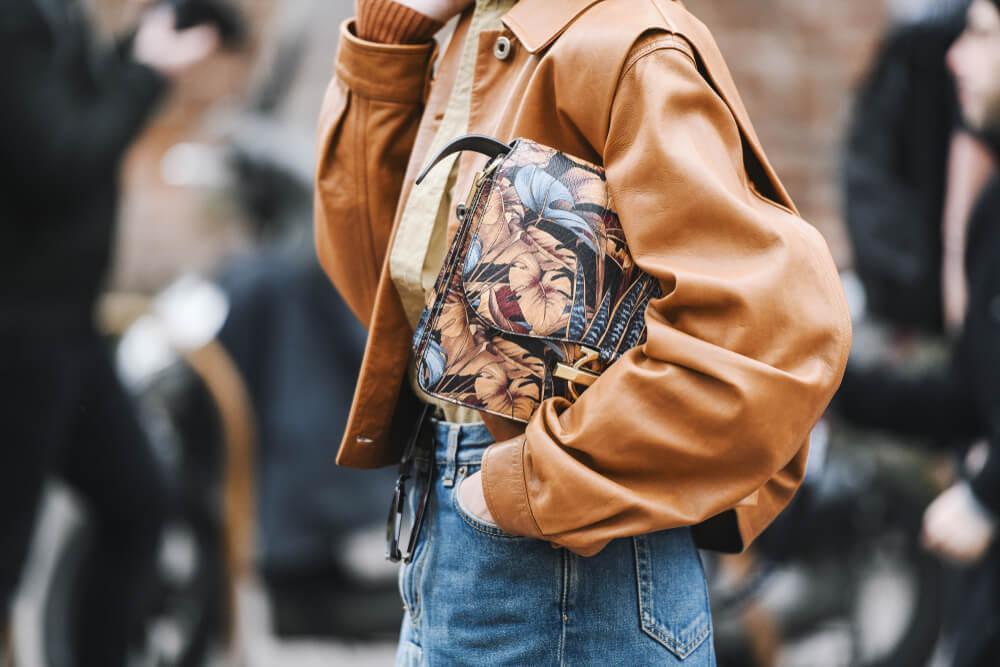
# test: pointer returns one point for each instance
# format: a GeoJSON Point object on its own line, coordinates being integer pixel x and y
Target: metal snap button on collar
{"type": "Point", "coordinates": [502, 48]}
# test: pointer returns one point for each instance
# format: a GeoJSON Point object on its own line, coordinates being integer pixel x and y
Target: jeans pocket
{"type": "Point", "coordinates": [673, 595]}
{"type": "Point", "coordinates": [474, 522]}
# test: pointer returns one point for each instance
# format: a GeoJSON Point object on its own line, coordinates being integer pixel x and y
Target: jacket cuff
{"type": "Point", "coordinates": [388, 72]}
{"type": "Point", "coordinates": [505, 489]}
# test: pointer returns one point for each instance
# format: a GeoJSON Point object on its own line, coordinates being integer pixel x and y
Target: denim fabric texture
{"type": "Point", "coordinates": [474, 595]}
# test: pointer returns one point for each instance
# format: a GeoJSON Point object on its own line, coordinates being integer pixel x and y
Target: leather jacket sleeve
{"type": "Point", "coordinates": [743, 352]}
{"type": "Point", "coordinates": [367, 127]}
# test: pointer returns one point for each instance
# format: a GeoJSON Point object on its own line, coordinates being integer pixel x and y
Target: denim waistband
{"type": "Point", "coordinates": [459, 444]}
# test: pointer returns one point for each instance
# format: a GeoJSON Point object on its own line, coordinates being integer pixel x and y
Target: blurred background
{"type": "Point", "coordinates": [240, 357]}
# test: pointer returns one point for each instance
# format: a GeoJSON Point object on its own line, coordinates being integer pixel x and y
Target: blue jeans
{"type": "Point", "coordinates": [474, 595]}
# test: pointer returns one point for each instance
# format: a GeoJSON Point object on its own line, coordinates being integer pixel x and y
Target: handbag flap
{"type": "Point", "coordinates": [547, 257]}
{"type": "Point", "coordinates": [538, 276]}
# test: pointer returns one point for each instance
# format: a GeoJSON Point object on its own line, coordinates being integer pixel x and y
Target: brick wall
{"type": "Point", "coordinates": [795, 62]}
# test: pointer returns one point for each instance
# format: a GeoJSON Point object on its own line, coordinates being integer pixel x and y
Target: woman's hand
{"type": "Point", "coordinates": [956, 527]}
{"type": "Point", "coordinates": [470, 496]}
{"type": "Point", "coordinates": [168, 50]}
{"type": "Point", "coordinates": [440, 10]}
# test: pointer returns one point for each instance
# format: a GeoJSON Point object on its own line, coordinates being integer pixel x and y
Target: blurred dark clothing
{"type": "Point", "coordinates": [895, 171]}
{"type": "Point", "coordinates": [958, 402]}
{"type": "Point", "coordinates": [977, 616]}
{"type": "Point", "coordinates": [963, 399]}
{"type": "Point", "coordinates": [68, 116]}
{"type": "Point", "coordinates": [63, 411]}
{"type": "Point", "coordinates": [69, 113]}
{"type": "Point", "coordinates": [299, 349]}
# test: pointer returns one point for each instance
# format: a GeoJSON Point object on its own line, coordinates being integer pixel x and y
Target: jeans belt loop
{"type": "Point", "coordinates": [448, 478]}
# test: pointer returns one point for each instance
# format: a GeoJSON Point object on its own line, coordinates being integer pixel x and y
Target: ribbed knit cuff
{"type": "Point", "coordinates": [388, 22]}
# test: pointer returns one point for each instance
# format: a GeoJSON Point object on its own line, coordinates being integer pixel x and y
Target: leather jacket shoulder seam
{"type": "Point", "coordinates": [665, 42]}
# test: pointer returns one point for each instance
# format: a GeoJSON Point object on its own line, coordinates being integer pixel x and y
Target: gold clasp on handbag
{"type": "Point", "coordinates": [578, 374]}
{"type": "Point", "coordinates": [462, 210]}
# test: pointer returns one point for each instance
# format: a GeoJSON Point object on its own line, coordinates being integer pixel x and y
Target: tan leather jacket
{"type": "Point", "coordinates": [707, 423]}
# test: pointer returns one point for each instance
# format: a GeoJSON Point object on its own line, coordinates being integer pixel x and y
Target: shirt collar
{"type": "Point", "coordinates": [536, 23]}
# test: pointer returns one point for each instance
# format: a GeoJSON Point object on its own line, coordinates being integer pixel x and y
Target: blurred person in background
{"type": "Point", "coordinates": [895, 169]}
{"type": "Point", "coordinates": [912, 174]}
{"type": "Point", "coordinates": [70, 112]}
{"type": "Point", "coordinates": [963, 400]}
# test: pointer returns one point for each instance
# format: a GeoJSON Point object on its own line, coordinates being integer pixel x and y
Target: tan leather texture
{"type": "Point", "coordinates": [706, 423]}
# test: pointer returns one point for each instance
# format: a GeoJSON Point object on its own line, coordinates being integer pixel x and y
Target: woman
{"type": "Point", "coordinates": [573, 541]}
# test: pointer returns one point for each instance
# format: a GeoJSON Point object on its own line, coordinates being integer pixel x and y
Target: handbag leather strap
{"type": "Point", "coordinates": [479, 143]}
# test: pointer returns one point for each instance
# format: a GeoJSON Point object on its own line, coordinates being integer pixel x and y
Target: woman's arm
{"type": "Point", "coordinates": [937, 404]}
{"type": "Point", "coordinates": [969, 167]}
{"type": "Point", "coordinates": [743, 351]}
{"type": "Point", "coordinates": [368, 124]}
{"type": "Point", "coordinates": [56, 132]}
{"type": "Point", "coordinates": [58, 138]}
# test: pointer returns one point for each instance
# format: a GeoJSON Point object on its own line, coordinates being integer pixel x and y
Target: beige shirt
{"type": "Point", "coordinates": [421, 240]}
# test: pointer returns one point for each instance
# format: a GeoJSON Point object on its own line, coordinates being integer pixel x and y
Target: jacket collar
{"type": "Point", "coordinates": [536, 23]}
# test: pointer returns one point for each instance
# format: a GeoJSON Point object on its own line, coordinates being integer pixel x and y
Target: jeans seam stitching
{"type": "Point", "coordinates": [564, 607]}
{"type": "Point", "coordinates": [416, 568]}
{"type": "Point", "coordinates": [650, 625]}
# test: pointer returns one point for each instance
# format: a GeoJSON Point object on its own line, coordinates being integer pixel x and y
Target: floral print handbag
{"type": "Point", "coordinates": [538, 293]}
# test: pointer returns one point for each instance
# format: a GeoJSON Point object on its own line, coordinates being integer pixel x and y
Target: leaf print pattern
{"type": "Point", "coordinates": [544, 296]}
{"type": "Point", "coordinates": [472, 257]}
{"type": "Point", "coordinates": [502, 394]}
{"type": "Point", "coordinates": [434, 363]}
{"type": "Point", "coordinates": [548, 199]}
{"type": "Point", "coordinates": [505, 309]}
{"type": "Point", "coordinates": [540, 273]}
{"type": "Point", "coordinates": [577, 317]}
